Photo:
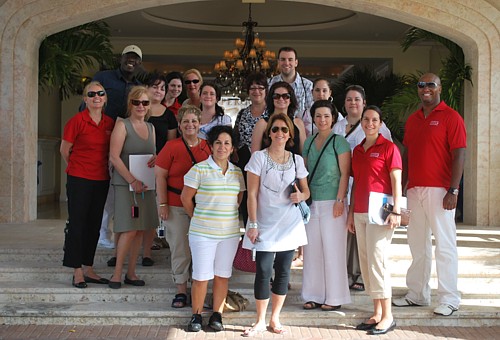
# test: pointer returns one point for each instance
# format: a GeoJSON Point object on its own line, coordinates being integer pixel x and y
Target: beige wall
{"type": "Point", "coordinates": [472, 24]}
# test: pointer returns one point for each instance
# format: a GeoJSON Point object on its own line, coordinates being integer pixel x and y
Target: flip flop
{"type": "Point", "coordinates": [252, 332]}
{"type": "Point", "coordinates": [311, 305]}
{"type": "Point", "coordinates": [155, 246]}
{"type": "Point", "coordinates": [280, 330]}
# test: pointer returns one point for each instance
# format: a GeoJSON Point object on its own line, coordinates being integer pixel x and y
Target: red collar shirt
{"type": "Point", "coordinates": [90, 151]}
{"type": "Point", "coordinates": [371, 170]}
{"type": "Point", "coordinates": [430, 142]}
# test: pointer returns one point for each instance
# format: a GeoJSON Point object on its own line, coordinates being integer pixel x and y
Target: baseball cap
{"type": "Point", "coordinates": [134, 49]}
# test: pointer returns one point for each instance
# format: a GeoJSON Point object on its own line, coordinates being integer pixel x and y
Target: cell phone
{"type": "Point", "coordinates": [135, 211]}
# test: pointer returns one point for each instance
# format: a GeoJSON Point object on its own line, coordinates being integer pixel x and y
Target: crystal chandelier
{"type": "Point", "coordinates": [250, 55]}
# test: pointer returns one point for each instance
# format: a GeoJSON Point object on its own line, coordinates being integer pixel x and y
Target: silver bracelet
{"type": "Point", "coordinates": [252, 225]}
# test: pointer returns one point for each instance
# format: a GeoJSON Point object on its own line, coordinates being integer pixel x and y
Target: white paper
{"type": "Point", "coordinates": [375, 202]}
{"type": "Point", "coordinates": [138, 167]}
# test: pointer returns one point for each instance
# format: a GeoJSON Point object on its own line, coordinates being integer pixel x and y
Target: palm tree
{"type": "Point", "coordinates": [64, 56]}
{"type": "Point", "coordinates": [453, 73]}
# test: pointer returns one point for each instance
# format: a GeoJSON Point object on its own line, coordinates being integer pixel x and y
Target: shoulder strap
{"type": "Point", "coordinates": [319, 157]}
{"type": "Point", "coordinates": [352, 129]}
{"type": "Point", "coordinates": [189, 151]}
{"type": "Point", "coordinates": [335, 151]}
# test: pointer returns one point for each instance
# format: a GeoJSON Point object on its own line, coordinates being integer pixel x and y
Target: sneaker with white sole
{"type": "Point", "coordinates": [445, 310]}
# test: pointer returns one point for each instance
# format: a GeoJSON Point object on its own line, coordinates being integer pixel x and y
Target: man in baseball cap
{"type": "Point", "coordinates": [132, 49]}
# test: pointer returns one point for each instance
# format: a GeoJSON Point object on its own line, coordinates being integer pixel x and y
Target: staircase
{"type": "Point", "coordinates": [36, 289]}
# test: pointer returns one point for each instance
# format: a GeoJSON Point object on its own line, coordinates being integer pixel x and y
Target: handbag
{"type": "Point", "coordinates": [305, 211]}
{"type": "Point", "coordinates": [243, 259]}
{"type": "Point", "coordinates": [405, 213]}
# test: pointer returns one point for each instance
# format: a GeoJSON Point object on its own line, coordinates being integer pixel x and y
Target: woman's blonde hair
{"type": "Point", "coordinates": [135, 93]}
{"type": "Point", "coordinates": [195, 71]}
{"type": "Point", "coordinates": [94, 83]}
{"type": "Point", "coordinates": [185, 109]}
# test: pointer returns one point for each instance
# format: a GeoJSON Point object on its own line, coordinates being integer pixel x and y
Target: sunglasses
{"type": "Point", "coordinates": [136, 102]}
{"type": "Point", "coordinates": [283, 129]}
{"type": "Point", "coordinates": [194, 81]}
{"type": "Point", "coordinates": [429, 84]}
{"type": "Point", "coordinates": [92, 94]}
{"type": "Point", "coordinates": [284, 96]}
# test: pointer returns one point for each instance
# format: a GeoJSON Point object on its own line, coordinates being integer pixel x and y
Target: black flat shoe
{"type": "Point", "coordinates": [376, 331]}
{"type": "Point", "coordinates": [137, 283]}
{"type": "Point", "coordinates": [194, 324]}
{"type": "Point", "coordinates": [366, 326]}
{"type": "Point", "coordinates": [78, 284]}
{"type": "Point", "coordinates": [114, 284]}
{"type": "Point", "coordinates": [112, 262]}
{"type": "Point", "coordinates": [147, 262]}
{"type": "Point", "coordinates": [101, 280]}
{"type": "Point", "coordinates": [215, 322]}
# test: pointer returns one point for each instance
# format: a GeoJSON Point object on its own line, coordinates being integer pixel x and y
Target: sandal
{"type": "Point", "coordinates": [360, 287]}
{"type": "Point", "coordinates": [280, 330]}
{"type": "Point", "coordinates": [179, 301]}
{"type": "Point", "coordinates": [155, 246]}
{"type": "Point", "coordinates": [328, 308]}
{"type": "Point", "coordinates": [311, 305]}
{"type": "Point", "coordinates": [252, 332]}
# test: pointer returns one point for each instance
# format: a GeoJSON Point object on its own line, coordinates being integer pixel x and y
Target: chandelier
{"type": "Point", "coordinates": [250, 55]}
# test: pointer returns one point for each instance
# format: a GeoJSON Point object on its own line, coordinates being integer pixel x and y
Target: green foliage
{"type": "Point", "coordinates": [377, 88]}
{"type": "Point", "coordinates": [64, 56]}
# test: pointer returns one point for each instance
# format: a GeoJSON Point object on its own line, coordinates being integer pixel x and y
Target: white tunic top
{"type": "Point", "coordinates": [280, 223]}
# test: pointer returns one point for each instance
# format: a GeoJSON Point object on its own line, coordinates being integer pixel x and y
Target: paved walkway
{"type": "Point", "coordinates": [176, 332]}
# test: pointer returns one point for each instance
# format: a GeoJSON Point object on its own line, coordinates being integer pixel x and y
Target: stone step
{"type": "Point", "coordinates": [474, 292]}
{"type": "Point", "coordinates": [147, 313]}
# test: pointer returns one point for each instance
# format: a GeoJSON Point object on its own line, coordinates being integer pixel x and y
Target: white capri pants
{"type": "Point", "coordinates": [212, 256]}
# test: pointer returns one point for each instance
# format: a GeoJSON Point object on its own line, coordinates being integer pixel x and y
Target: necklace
{"type": "Point", "coordinates": [192, 144]}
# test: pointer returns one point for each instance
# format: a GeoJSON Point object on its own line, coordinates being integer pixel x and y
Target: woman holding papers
{"type": "Point", "coordinates": [135, 202]}
{"type": "Point", "coordinates": [376, 167]}
{"type": "Point", "coordinates": [85, 148]}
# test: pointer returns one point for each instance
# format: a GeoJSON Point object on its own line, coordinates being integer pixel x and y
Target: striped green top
{"type": "Point", "coordinates": [216, 211]}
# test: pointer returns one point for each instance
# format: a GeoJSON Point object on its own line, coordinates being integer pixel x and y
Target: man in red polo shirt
{"type": "Point", "coordinates": [433, 162]}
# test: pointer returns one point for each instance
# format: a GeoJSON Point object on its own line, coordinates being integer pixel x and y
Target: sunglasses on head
{"type": "Point", "coordinates": [283, 129]}
{"type": "Point", "coordinates": [194, 81]}
{"type": "Point", "coordinates": [92, 94]}
{"type": "Point", "coordinates": [136, 102]}
{"type": "Point", "coordinates": [285, 96]}
{"type": "Point", "coordinates": [429, 84]}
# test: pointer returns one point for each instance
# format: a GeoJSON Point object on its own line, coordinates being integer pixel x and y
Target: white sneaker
{"type": "Point", "coordinates": [106, 244]}
{"type": "Point", "coordinates": [444, 309]}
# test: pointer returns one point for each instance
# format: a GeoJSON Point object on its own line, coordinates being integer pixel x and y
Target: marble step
{"type": "Point", "coordinates": [147, 313]}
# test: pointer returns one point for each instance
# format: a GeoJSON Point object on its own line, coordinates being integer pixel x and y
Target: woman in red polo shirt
{"type": "Point", "coordinates": [85, 148]}
{"type": "Point", "coordinates": [376, 166]}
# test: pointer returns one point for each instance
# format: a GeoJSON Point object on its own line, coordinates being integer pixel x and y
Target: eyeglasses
{"type": "Point", "coordinates": [429, 84]}
{"type": "Point", "coordinates": [92, 94]}
{"type": "Point", "coordinates": [284, 96]}
{"type": "Point", "coordinates": [257, 88]}
{"type": "Point", "coordinates": [283, 129]}
{"type": "Point", "coordinates": [136, 102]}
{"type": "Point", "coordinates": [194, 81]}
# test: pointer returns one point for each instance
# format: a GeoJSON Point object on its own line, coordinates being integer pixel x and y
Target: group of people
{"type": "Point", "coordinates": [289, 145]}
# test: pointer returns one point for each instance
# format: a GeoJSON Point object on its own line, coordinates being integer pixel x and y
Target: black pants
{"type": "Point", "coordinates": [282, 261]}
{"type": "Point", "coordinates": [86, 199]}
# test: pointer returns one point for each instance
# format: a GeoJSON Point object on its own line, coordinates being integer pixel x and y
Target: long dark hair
{"type": "Point", "coordinates": [293, 99]}
{"type": "Point", "coordinates": [219, 111]}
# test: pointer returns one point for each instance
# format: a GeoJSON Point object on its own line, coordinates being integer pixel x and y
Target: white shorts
{"type": "Point", "coordinates": [212, 256]}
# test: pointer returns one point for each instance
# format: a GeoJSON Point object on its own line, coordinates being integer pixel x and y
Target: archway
{"type": "Point", "coordinates": [473, 26]}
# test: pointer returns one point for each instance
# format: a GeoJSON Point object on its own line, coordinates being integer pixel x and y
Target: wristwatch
{"type": "Point", "coordinates": [453, 191]}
